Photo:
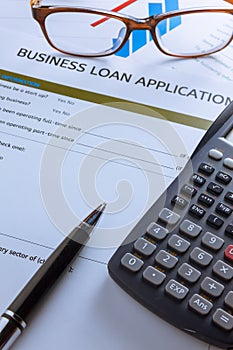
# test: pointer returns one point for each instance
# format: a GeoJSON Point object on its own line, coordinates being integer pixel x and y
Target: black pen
{"type": "Point", "coordinates": [18, 314]}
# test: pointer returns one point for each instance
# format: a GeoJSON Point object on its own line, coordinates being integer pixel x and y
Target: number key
{"type": "Point", "coordinates": [211, 241]}
{"type": "Point", "coordinates": [177, 243]}
{"type": "Point", "coordinates": [166, 259]}
{"type": "Point", "coordinates": [189, 273]}
{"type": "Point", "coordinates": [131, 262]}
{"type": "Point", "coordinates": [145, 247]}
{"type": "Point", "coordinates": [201, 257]}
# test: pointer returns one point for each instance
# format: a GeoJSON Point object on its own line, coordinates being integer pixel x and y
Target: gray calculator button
{"type": "Point", "coordinates": [166, 259]}
{"type": "Point", "coordinates": [215, 154]}
{"type": "Point", "coordinates": [145, 247]}
{"type": "Point", "coordinates": [212, 241]}
{"type": "Point", "coordinates": [223, 270]}
{"type": "Point", "coordinates": [190, 229]}
{"type": "Point", "coordinates": [212, 287]}
{"type": "Point", "coordinates": [156, 231]}
{"type": "Point", "coordinates": [229, 299]}
{"type": "Point", "coordinates": [153, 276]}
{"type": "Point", "coordinates": [228, 163]}
{"type": "Point", "coordinates": [168, 216]}
{"type": "Point", "coordinates": [131, 262]}
{"type": "Point", "coordinates": [201, 257]}
{"type": "Point", "coordinates": [176, 290]}
{"type": "Point", "coordinates": [189, 273]}
{"type": "Point", "coordinates": [222, 319]}
{"type": "Point", "coordinates": [180, 245]}
{"type": "Point", "coordinates": [200, 304]}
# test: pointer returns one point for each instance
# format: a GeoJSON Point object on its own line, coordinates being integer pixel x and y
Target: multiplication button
{"type": "Point", "coordinates": [223, 270]}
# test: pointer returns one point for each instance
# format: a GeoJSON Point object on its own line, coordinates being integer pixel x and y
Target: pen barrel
{"type": "Point", "coordinates": [48, 274]}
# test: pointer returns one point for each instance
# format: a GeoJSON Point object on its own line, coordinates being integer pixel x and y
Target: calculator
{"type": "Point", "coordinates": [178, 260]}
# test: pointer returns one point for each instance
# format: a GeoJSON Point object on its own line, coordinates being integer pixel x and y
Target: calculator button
{"type": "Point", "coordinates": [180, 245]}
{"type": "Point", "coordinates": [206, 200]}
{"type": "Point", "coordinates": [168, 216]}
{"type": "Point", "coordinates": [214, 188]}
{"type": "Point", "coordinates": [153, 276]}
{"type": "Point", "coordinates": [229, 299]}
{"type": "Point", "coordinates": [145, 247]}
{"type": "Point", "coordinates": [198, 180]}
{"type": "Point", "coordinates": [229, 252]}
{"type": "Point", "coordinates": [197, 211]}
{"type": "Point", "coordinates": [166, 259]}
{"type": "Point", "coordinates": [201, 257]}
{"type": "Point", "coordinates": [222, 319]}
{"type": "Point", "coordinates": [228, 163]}
{"type": "Point", "coordinates": [131, 262]}
{"type": "Point", "coordinates": [214, 221]}
{"type": "Point", "coordinates": [223, 270]}
{"type": "Point", "coordinates": [229, 197]}
{"type": "Point", "coordinates": [200, 304]}
{"type": "Point", "coordinates": [206, 169]}
{"type": "Point", "coordinates": [190, 229]}
{"type": "Point", "coordinates": [176, 290]}
{"type": "Point", "coordinates": [156, 231]}
{"type": "Point", "coordinates": [189, 190]}
{"type": "Point", "coordinates": [223, 177]}
{"type": "Point", "coordinates": [179, 201]}
{"type": "Point", "coordinates": [229, 230]}
{"type": "Point", "coordinates": [189, 273]}
{"type": "Point", "coordinates": [211, 241]}
{"type": "Point", "coordinates": [223, 209]}
{"type": "Point", "coordinates": [212, 287]}
{"type": "Point", "coordinates": [215, 154]}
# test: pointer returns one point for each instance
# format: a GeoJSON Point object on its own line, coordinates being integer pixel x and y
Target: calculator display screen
{"type": "Point", "coordinates": [229, 136]}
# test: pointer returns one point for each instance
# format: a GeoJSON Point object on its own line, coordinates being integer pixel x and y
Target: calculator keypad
{"type": "Point", "coordinates": [202, 236]}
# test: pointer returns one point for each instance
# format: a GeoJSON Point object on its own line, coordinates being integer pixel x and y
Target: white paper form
{"type": "Point", "coordinates": [123, 174]}
{"type": "Point", "coordinates": [17, 15]}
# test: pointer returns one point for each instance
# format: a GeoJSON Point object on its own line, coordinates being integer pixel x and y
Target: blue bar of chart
{"type": "Point", "coordinates": [140, 38]}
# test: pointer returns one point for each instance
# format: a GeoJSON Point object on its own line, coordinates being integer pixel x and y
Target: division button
{"type": "Point", "coordinates": [215, 154]}
{"type": "Point", "coordinates": [131, 262]}
{"type": "Point", "coordinates": [200, 304]}
{"type": "Point", "coordinates": [206, 169]}
{"type": "Point", "coordinates": [190, 229]}
{"type": "Point", "coordinates": [223, 270]}
{"type": "Point", "coordinates": [228, 163]}
{"type": "Point", "coordinates": [189, 273]}
{"type": "Point", "coordinates": [212, 287]}
{"type": "Point", "coordinates": [169, 217]}
{"type": "Point", "coordinates": [144, 247]}
{"type": "Point", "coordinates": [176, 289]}
{"type": "Point", "coordinates": [153, 276]}
{"type": "Point", "coordinates": [156, 231]}
{"type": "Point", "coordinates": [222, 319]}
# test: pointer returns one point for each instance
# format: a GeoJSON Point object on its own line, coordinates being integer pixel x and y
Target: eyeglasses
{"type": "Point", "coordinates": [90, 32]}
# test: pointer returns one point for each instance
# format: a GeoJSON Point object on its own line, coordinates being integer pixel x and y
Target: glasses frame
{"type": "Point", "coordinates": [40, 13]}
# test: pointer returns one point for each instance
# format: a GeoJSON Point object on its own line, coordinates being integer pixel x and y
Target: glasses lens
{"type": "Point", "coordinates": [83, 33]}
{"type": "Point", "coordinates": [195, 33]}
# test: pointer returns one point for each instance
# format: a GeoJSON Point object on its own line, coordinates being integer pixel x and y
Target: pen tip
{"type": "Point", "coordinates": [92, 219]}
